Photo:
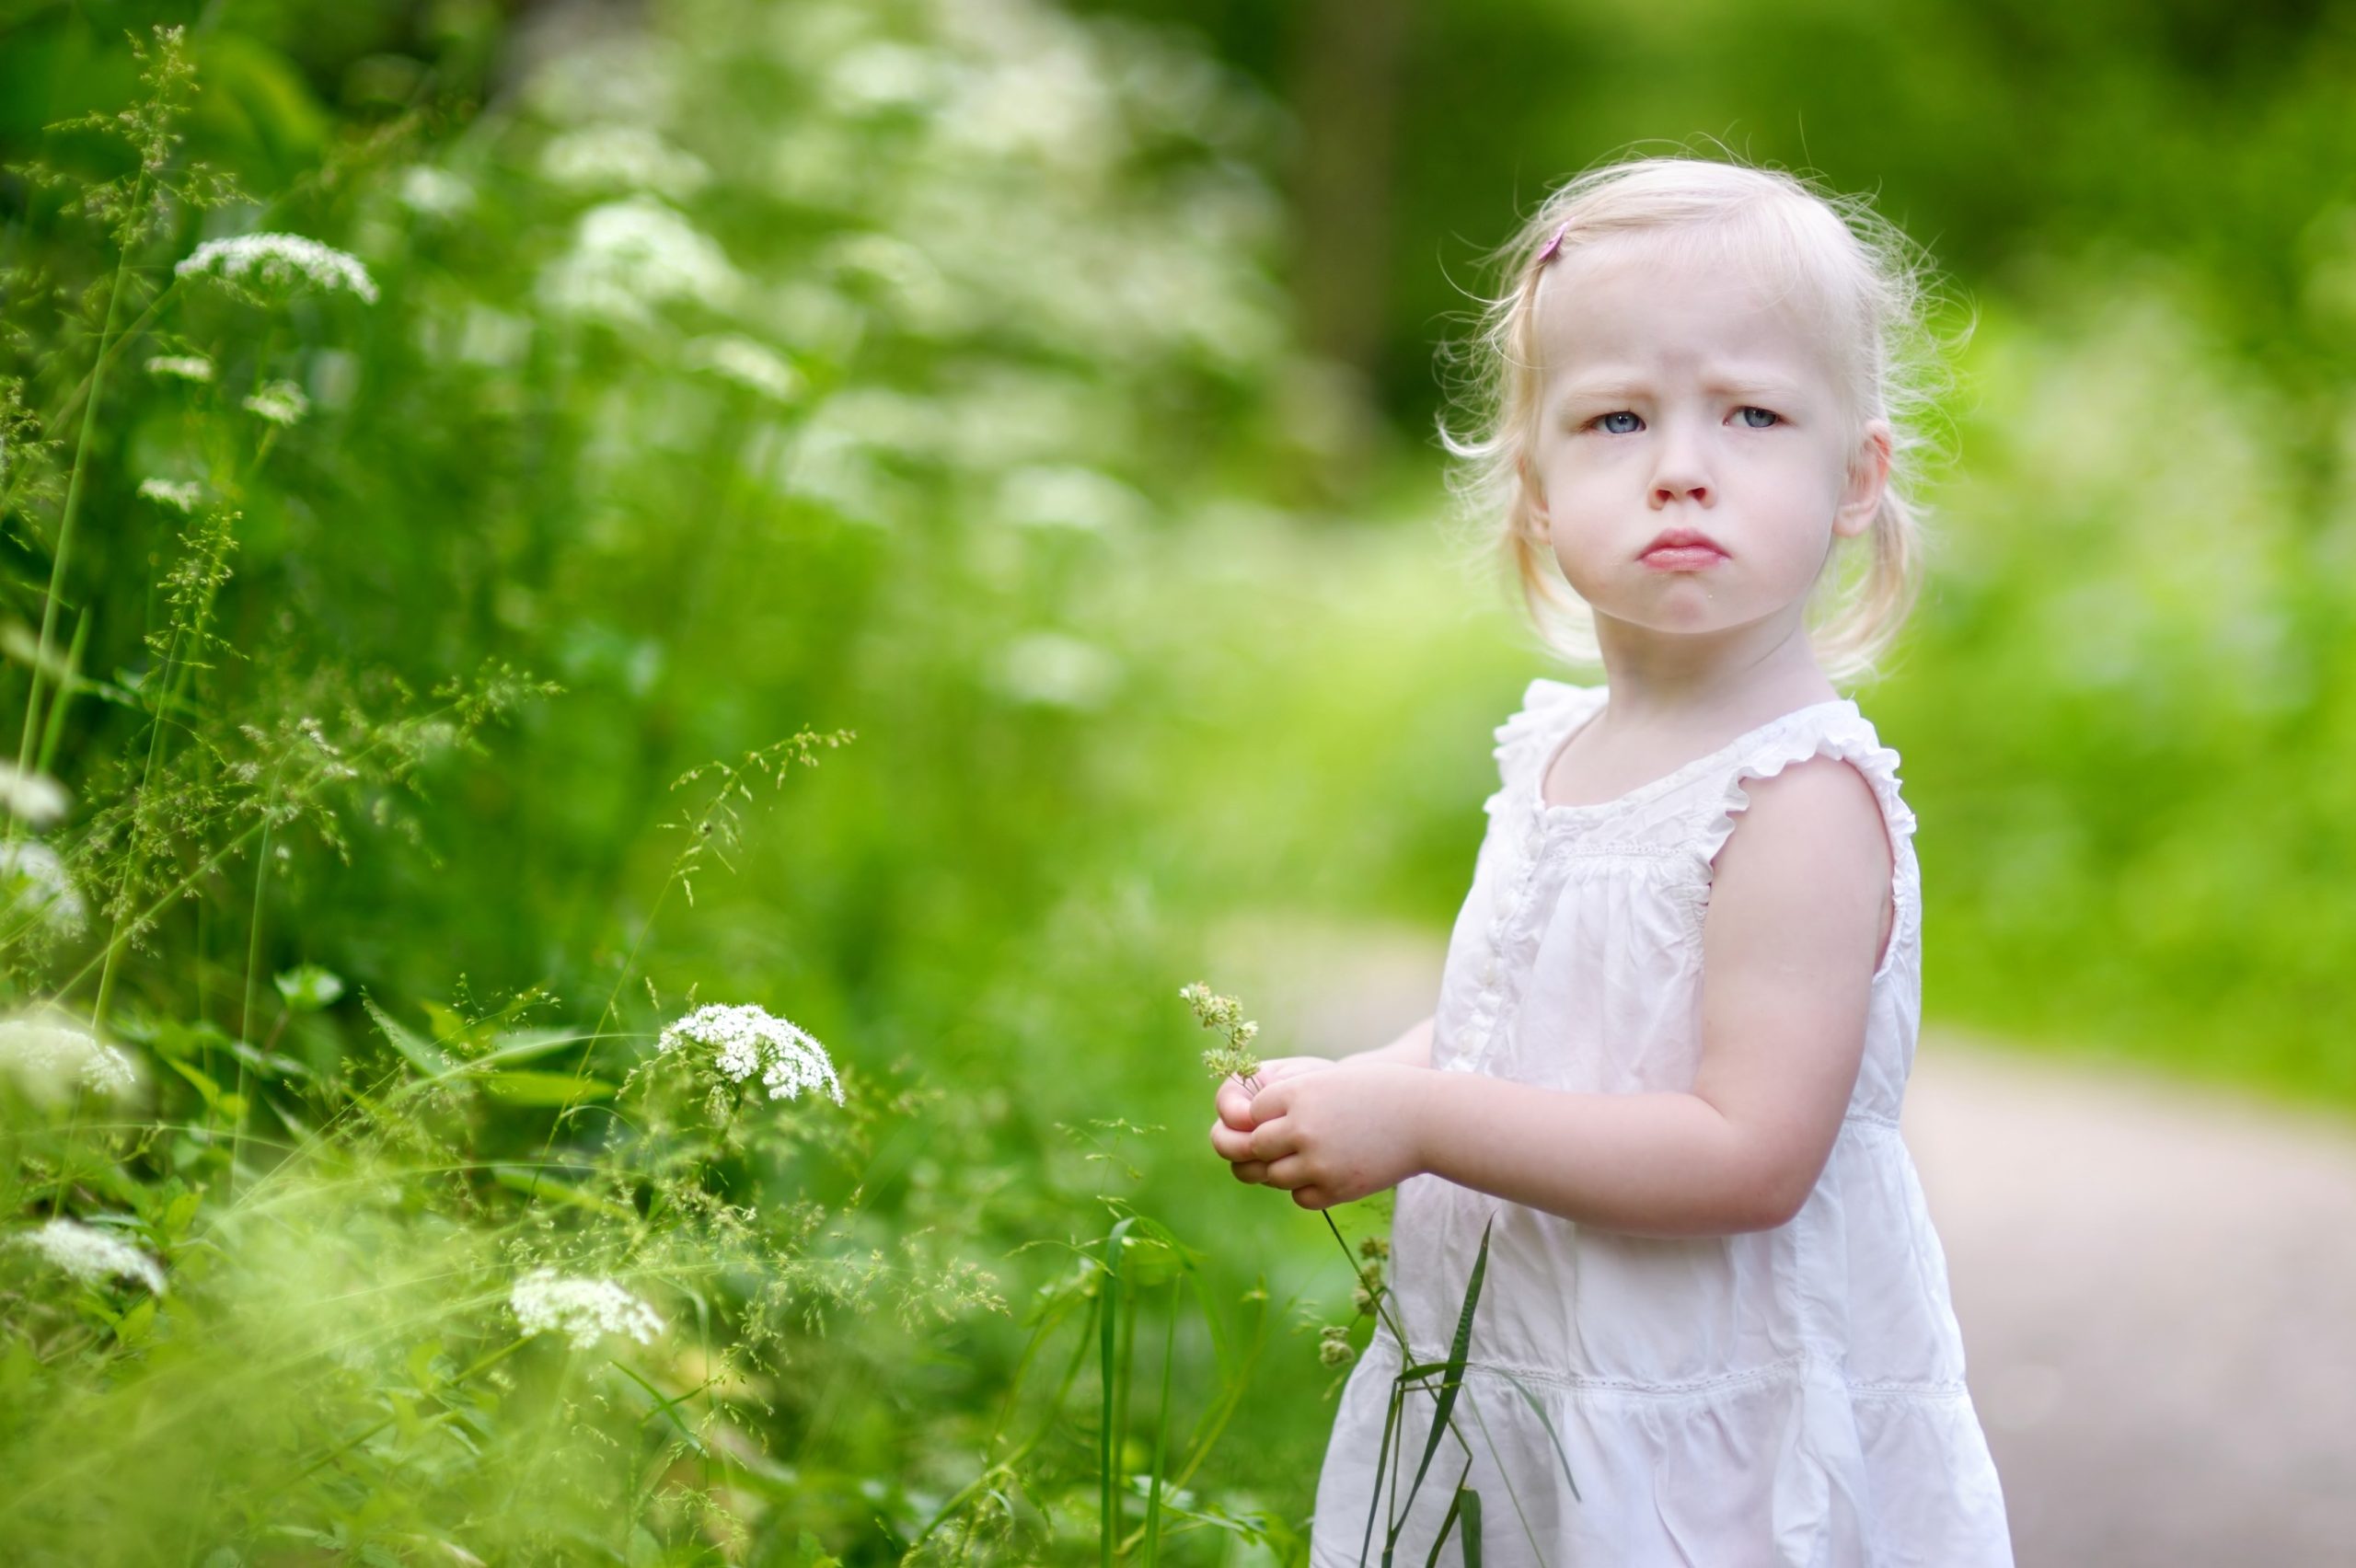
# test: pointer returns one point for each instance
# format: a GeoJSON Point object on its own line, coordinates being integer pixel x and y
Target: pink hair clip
{"type": "Point", "coordinates": [1552, 245]}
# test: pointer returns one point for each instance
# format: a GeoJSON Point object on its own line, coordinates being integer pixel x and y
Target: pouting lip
{"type": "Point", "coordinates": [1675, 538]}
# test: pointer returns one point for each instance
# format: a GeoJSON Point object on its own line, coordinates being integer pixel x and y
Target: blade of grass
{"type": "Point", "coordinates": [1540, 1411]}
{"type": "Point", "coordinates": [1448, 1520]}
{"type": "Point", "coordinates": [1453, 1379]}
{"type": "Point", "coordinates": [1109, 1339]}
{"type": "Point", "coordinates": [1162, 1432]}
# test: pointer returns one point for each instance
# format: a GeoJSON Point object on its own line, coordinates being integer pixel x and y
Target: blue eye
{"type": "Point", "coordinates": [1605, 421]}
{"type": "Point", "coordinates": [1772, 419]}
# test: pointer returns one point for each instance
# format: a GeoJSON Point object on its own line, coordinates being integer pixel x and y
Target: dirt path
{"type": "Point", "coordinates": [2156, 1285]}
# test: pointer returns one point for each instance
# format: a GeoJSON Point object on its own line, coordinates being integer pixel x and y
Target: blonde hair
{"type": "Point", "coordinates": [1873, 287]}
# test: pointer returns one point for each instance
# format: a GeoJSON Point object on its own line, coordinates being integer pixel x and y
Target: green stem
{"type": "Point", "coordinates": [73, 494]}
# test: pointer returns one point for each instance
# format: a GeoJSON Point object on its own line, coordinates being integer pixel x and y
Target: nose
{"type": "Point", "coordinates": [1680, 474]}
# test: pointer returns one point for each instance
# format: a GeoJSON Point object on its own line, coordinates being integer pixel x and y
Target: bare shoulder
{"type": "Point", "coordinates": [1807, 869]}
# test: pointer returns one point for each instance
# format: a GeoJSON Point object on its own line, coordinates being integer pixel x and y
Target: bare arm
{"type": "Point", "coordinates": [1791, 939]}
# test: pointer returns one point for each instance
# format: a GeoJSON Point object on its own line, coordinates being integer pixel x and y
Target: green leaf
{"type": "Point", "coordinates": [308, 988]}
{"type": "Point", "coordinates": [546, 1088]}
{"type": "Point", "coordinates": [420, 1055]}
{"type": "Point", "coordinates": [1470, 1535]}
{"type": "Point", "coordinates": [1453, 1379]}
{"type": "Point", "coordinates": [136, 1324]}
{"type": "Point", "coordinates": [1540, 1411]}
{"type": "Point", "coordinates": [535, 1183]}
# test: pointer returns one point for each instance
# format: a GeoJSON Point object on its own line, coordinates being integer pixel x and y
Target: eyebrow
{"type": "Point", "coordinates": [1738, 384]}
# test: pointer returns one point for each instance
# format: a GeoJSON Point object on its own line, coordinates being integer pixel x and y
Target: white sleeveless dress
{"type": "Point", "coordinates": [1792, 1396]}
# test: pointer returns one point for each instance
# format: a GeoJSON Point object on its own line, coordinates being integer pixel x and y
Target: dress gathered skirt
{"type": "Point", "coordinates": [1792, 1396]}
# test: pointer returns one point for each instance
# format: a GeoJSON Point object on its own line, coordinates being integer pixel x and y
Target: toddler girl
{"type": "Point", "coordinates": [1679, 1004]}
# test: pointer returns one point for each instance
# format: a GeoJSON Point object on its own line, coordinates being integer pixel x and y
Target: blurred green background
{"type": "Point", "coordinates": [1046, 395]}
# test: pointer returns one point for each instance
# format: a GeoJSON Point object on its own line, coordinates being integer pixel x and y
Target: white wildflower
{"type": "Point", "coordinates": [35, 797]}
{"type": "Point", "coordinates": [629, 254]}
{"type": "Point", "coordinates": [91, 1255]}
{"type": "Point", "coordinates": [282, 260]}
{"type": "Point", "coordinates": [584, 1309]}
{"type": "Point", "coordinates": [49, 1059]}
{"type": "Point", "coordinates": [33, 877]}
{"type": "Point", "coordinates": [186, 367]}
{"type": "Point", "coordinates": [628, 158]}
{"type": "Point", "coordinates": [1052, 670]}
{"type": "Point", "coordinates": [751, 366]}
{"type": "Point", "coordinates": [749, 1041]}
{"type": "Point", "coordinates": [164, 492]}
{"type": "Point", "coordinates": [279, 402]}
{"type": "Point", "coordinates": [435, 192]}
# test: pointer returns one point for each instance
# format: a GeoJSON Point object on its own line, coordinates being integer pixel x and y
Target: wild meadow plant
{"type": "Point", "coordinates": [703, 375]}
{"type": "Point", "coordinates": [1442, 1380]}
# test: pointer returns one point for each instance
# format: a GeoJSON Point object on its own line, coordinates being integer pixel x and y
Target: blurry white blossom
{"type": "Point", "coordinates": [435, 192]}
{"type": "Point", "coordinates": [33, 879]}
{"type": "Point", "coordinates": [887, 76]}
{"type": "Point", "coordinates": [1051, 670]}
{"type": "Point", "coordinates": [280, 260]}
{"type": "Point", "coordinates": [751, 365]}
{"type": "Point", "coordinates": [35, 797]}
{"type": "Point", "coordinates": [91, 1255]}
{"type": "Point", "coordinates": [630, 254]}
{"type": "Point", "coordinates": [1063, 496]}
{"type": "Point", "coordinates": [182, 497]}
{"type": "Point", "coordinates": [746, 1040]}
{"type": "Point", "coordinates": [186, 367]}
{"type": "Point", "coordinates": [50, 1060]}
{"type": "Point", "coordinates": [279, 402]}
{"type": "Point", "coordinates": [584, 1309]}
{"type": "Point", "coordinates": [628, 158]}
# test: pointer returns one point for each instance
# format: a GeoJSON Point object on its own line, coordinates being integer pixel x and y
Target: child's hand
{"type": "Point", "coordinates": [1331, 1138]}
{"type": "Point", "coordinates": [1235, 1099]}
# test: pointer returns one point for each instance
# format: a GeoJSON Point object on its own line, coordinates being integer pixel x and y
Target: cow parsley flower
{"type": "Point", "coordinates": [36, 797]}
{"type": "Point", "coordinates": [49, 1059]}
{"type": "Point", "coordinates": [281, 260]}
{"type": "Point", "coordinates": [628, 157]}
{"type": "Point", "coordinates": [185, 367]}
{"type": "Point", "coordinates": [32, 876]}
{"type": "Point", "coordinates": [164, 492]}
{"type": "Point", "coordinates": [434, 192]}
{"type": "Point", "coordinates": [279, 402]}
{"type": "Point", "coordinates": [748, 1041]}
{"type": "Point", "coordinates": [630, 254]}
{"type": "Point", "coordinates": [584, 1309]}
{"type": "Point", "coordinates": [751, 366]}
{"type": "Point", "coordinates": [91, 1255]}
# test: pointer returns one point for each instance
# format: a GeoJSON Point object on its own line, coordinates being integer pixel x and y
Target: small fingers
{"type": "Point", "coordinates": [1312, 1197]}
{"type": "Point", "coordinates": [1252, 1172]}
{"type": "Point", "coordinates": [1229, 1143]}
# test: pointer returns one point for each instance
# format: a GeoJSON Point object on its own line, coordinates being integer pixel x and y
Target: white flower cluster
{"type": "Point", "coordinates": [749, 1041]}
{"type": "Point", "coordinates": [32, 875]}
{"type": "Point", "coordinates": [49, 1059]}
{"type": "Point", "coordinates": [164, 492]}
{"type": "Point", "coordinates": [750, 365]}
{"type": "Point", "coordinates": [281, 260]}
{"type": "Point", "coordinates": [279, 402]}
{"type": "Point", "coordinates": [435, 192]}
{"type": "Point", "coordinates": [629, 156]}
{"type": "Point", "coordinates": [632, 254]}
{"type": "Point", "coordinates": [36, 797]}
{"type": "Point", "coordinates": [584, 1309]}
{"type": "Point", "coordinates": [186, 367]}
{"type": "Point", "coordinates": [91, 1255]}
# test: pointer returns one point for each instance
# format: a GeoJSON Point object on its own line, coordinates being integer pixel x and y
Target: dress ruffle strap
{"type": "Point", "coordinates": [1840, 731]}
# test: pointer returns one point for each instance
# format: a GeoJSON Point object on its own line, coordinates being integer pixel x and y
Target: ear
{"type": "Point", "coordinates": [1868, 479]}
{"type": "Point", "coordinates": [1533, 494]}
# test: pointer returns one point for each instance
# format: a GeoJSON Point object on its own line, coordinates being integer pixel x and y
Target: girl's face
{"type": "Point", "coordinates": [1678, 400]}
